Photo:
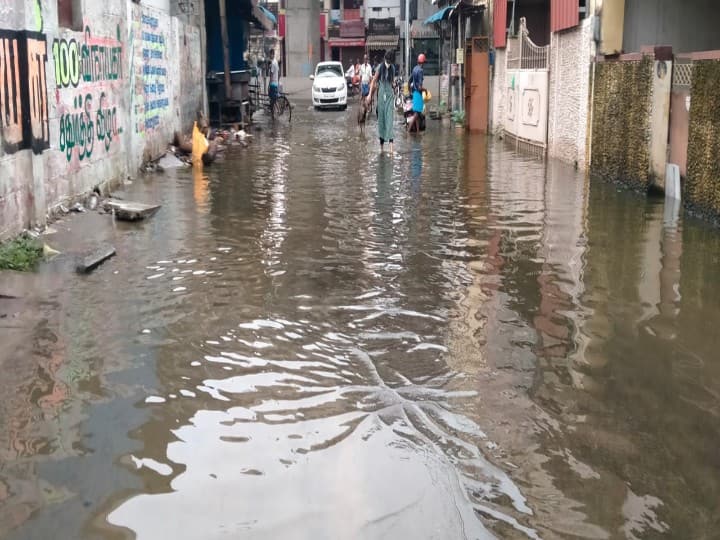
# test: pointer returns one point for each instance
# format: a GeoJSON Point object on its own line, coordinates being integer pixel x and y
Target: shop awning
{"type": "Point", "coordinates": [420, 30]}
{"type": "Point", "coordinates": [346, 42]}
{"type": "Point", "coordinates": [263, 18]}
{"type": "Point", "coordinates": [472, 3]}
{"type": "Point", "coordinates": [379, 42]}
{"type": "Point", "coordinates": [269, 14]}
{"type": "Point", "coordinates": [441, 15]}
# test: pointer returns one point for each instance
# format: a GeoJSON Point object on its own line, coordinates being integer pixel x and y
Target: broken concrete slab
{"type": "Point", "coordinates": [170, 161]}
{"type": "Point", "coordinates": [130, 211]}
{"type": "Point", "coordinates": [90, 261]}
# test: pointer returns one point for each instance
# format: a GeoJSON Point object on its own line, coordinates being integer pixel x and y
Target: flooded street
{"type": "Point", "coordinates": [315, 341]}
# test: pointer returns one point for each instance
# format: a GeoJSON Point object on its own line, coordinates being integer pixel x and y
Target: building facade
{"type": "Point", "coordinates": [620, 87]}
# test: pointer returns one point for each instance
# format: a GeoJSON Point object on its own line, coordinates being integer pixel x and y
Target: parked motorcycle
{"type": "Point", "coordinates": [407, 110]}
{"type": "Point", "coordinates": [353, 88]}
{"type": "Point", "coordinates": [399, 94]}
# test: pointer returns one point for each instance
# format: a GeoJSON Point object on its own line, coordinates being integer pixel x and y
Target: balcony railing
{"type": "Point", "coordinates": [352, 14]}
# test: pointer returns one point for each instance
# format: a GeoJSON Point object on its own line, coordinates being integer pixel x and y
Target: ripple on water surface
{"type": "Point", "coordinates": [334, 417]}
{"type": "Point", "coordinates": [312, 340]}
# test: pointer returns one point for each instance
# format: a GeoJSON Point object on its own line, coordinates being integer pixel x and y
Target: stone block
{"type": "Point", "coordinates": [130, 211]}
{"type": "Point", "coordinates": [90, 261]}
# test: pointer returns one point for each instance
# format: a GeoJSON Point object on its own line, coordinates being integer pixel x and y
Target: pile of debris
{"type": "Point", "coordinates": [218, 140]}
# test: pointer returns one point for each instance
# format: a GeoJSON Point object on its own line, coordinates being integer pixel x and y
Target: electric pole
{"type": "Point", "coordinates": [407, 39]}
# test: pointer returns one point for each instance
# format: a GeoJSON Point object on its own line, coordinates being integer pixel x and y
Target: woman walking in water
{"type": "Point", "coordinates": [384, 83]}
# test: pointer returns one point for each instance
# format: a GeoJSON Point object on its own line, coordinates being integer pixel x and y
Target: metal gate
{"type": "Point", "coordinates": [527, 77]}
{"type": "Point", "coordinates": [477, 87]}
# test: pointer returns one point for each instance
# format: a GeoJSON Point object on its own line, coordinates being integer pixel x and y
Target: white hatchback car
{"type": "Point", "coordinates": [329, 86]}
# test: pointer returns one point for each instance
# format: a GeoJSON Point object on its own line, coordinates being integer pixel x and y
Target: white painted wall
{"type": "Point", "coordinates": [660, 121]}
{"type": "Point", "coordinates": [571, 55]}
{"type": "Point", "coordinates": [382, 9]}
{"type": "Point", "coordinates": [499, 93]}
{"type": "Point", "coordinates": [161, 5]}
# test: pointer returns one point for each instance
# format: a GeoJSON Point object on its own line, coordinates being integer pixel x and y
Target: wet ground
{"type": "Point", "coordinates": [312, 340]}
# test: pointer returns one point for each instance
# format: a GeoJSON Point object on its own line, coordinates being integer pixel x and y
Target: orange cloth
{"type": "Point", "coordinates": [200, 145]}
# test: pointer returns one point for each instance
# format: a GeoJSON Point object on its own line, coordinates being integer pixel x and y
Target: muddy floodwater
{"type": "Point", "coordinates": [311, 340]}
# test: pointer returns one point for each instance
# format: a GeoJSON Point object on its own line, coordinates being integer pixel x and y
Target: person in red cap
{"type": "Point", "coordinates": [416, 85]}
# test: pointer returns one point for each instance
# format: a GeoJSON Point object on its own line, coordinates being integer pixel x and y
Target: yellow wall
{"type": "Point", "coordinates": [612, 17]}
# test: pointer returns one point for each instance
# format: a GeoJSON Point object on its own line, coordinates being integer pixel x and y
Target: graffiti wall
{"type": "Point", "coordinates": [23, 92]}
{"type": "Point", "coordinates": [153, 111]}
{"type": "Point", "coordinates": [88, 81]}
{"type": "Point", "coordinates": [86, 105]}
{"type": "Point", "coordinates": [24, 123]}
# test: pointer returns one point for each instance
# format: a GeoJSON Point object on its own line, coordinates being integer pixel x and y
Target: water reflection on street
{"type": "Point", "coordinates": [314, 340]}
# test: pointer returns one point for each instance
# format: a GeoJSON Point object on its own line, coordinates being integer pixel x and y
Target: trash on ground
{"type": "Point", "coordinates": [49, 252]}
{"type": "Point", "coordinates": [170, 161]}
{"type": "Point", "coordinates": [90, 261]}
{"type": "Point", "coordinates": [130, 211]}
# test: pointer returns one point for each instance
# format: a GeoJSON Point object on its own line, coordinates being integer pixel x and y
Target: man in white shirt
{"type": "Point", "coordinates": [274, 86]}
{"type": "Point", "coordinates": [366, 73]}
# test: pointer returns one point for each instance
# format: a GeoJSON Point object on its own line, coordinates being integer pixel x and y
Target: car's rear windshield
{"type": "Point", "coordinates": [330, 69]}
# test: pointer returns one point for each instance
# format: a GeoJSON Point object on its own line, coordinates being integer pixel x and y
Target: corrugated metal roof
{"type": "Point", "coordinates": [564, 14]}
{"type": "Point", "coordinates": [500, 23]}
{"type": "Point", "coordinates": [382, 42]}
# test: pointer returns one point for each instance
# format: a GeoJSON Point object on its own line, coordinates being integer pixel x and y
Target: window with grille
{"type": "Point", "coordinates": [70, 14]}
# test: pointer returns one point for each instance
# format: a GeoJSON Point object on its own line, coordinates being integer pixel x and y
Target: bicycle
{"type": "Point", "coordinates": [278, 108]}
{"type": "Point", "coordinates": [258, 99]}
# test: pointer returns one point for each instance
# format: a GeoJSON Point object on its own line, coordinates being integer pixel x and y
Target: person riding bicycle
{"type": "Point", "coordinates": [274, 86]}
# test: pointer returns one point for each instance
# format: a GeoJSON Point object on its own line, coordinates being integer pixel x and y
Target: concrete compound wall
{"type": "Point", "coordinates": [687, 26]}
{"type": "Point", "coordinates": [702, 185]}
{"type": "Point", "coordinates": [82, 107]}
{"type": "Point", "coordinates": [499, 93]}
{"type": "Point", "coordinates": [622, 107]}
{"type": "Point", "coordinates": [570, 60]}
{"type": "Point", "coordinates": [302, 37]}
